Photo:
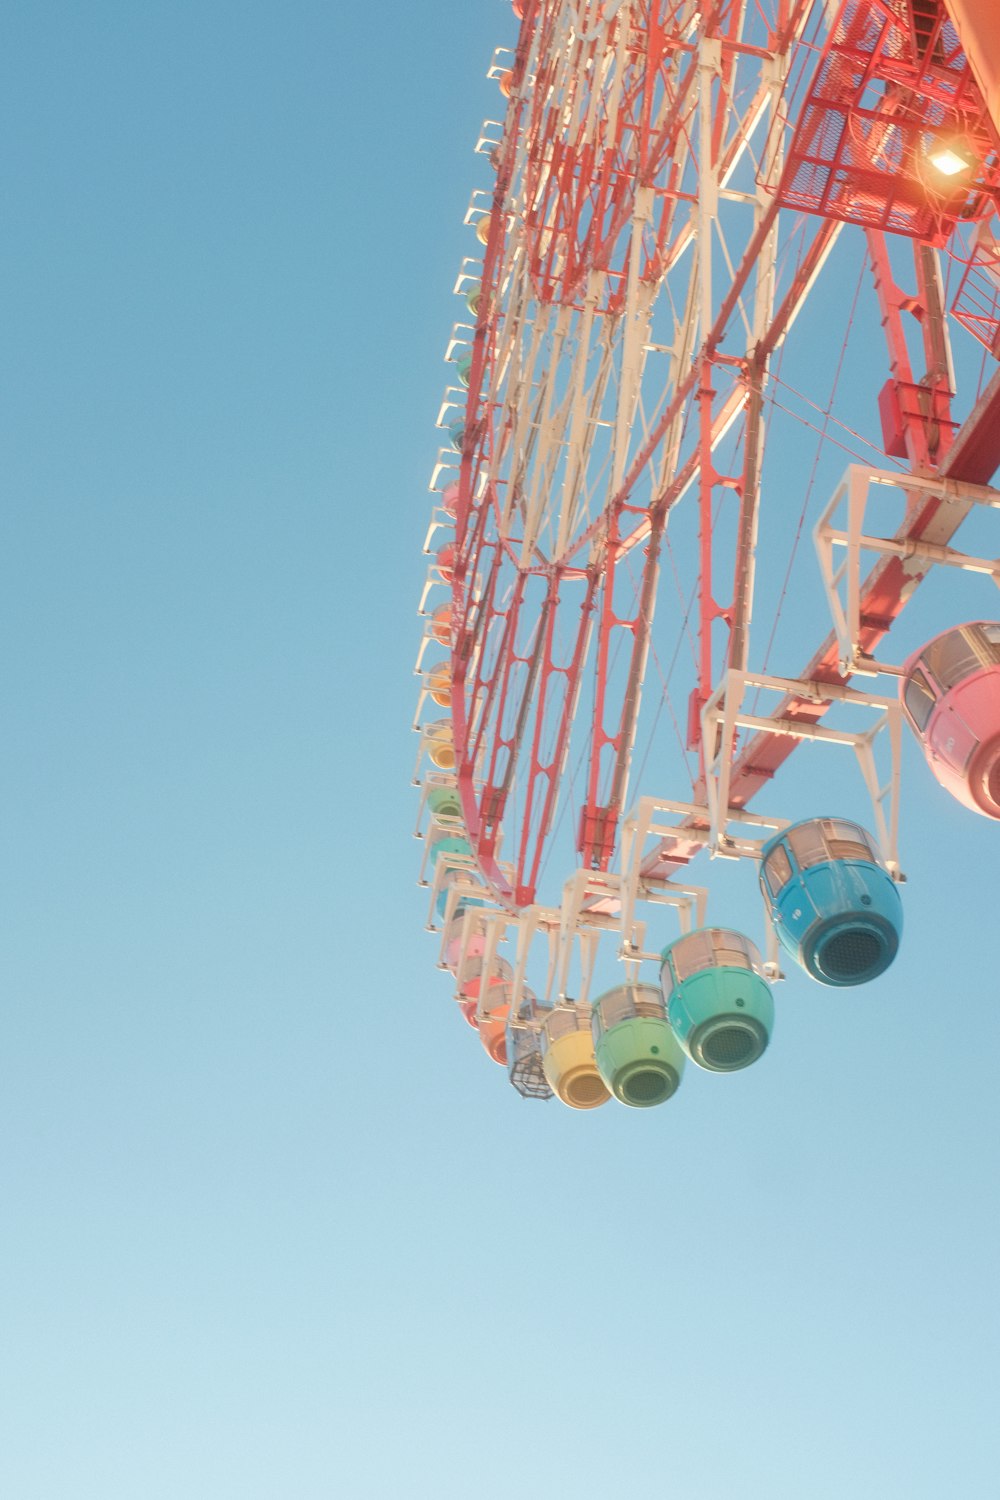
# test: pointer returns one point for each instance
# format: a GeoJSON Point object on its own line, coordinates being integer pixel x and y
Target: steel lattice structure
{"type": "Point", "coordinates": [671, 179]}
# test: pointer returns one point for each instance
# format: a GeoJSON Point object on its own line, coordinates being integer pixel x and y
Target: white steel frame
{"type": "Point", "coordinates": [842, 583]}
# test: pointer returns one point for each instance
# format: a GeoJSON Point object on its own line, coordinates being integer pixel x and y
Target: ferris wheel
{"type": "Point", "coordinates": [735, 278]}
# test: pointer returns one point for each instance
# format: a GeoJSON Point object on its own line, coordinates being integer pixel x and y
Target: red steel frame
{"type": "Point", "coordinates": [973, 456]}
{"type": "Point", "coordinates": [892, 81]}
{"type": "Point", "coordinates": [576, 201]}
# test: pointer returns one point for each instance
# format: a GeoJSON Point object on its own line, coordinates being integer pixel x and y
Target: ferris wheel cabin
{"type": "Point", "coordinates": [568, 1058]}
{"type": "Point", "coordinates": [834, 905]}
{"type": "Point", "coordinates": [719, 1004]}
{"type": "Point", "coordinates": [951, 699]}
{"type": "Point", "coordinates": [465, 901]}
{"type": "Point", "coordinates": [489, 1012]}
{"type": "Point", "coordinates": [638, 1056]}
{"type": "Point", "coordinates": [444, 801]}
{"type": "Point", "coordinates": [524, 1050]}
{"type": "Point", "coordinates": [446, 844]}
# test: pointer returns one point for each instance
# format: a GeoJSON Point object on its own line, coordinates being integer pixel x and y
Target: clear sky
{"type": "Point", "coordinates": [273, 1227]}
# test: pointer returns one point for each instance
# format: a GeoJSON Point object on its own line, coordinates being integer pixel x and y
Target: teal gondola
{"type": "Point", "coordinates": [719, 1004]}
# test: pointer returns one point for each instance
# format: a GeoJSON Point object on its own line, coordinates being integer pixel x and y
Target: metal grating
{"type": "Point", "coordinates": [977, 301]}
{"type": "Point", "coordinates": [648, 1086]}
{"type": "Point", "coordinates": [892, 80]}
{"type": "Point", "coordinates": [528, 1077]}
{"type": "Point", "coordinates": [852, 953]}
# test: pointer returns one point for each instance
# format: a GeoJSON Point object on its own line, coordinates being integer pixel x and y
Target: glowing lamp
{"type": "Point", "coordinates": [951, 157]}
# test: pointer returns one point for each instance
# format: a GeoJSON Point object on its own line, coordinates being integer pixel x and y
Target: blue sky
{"type": "Point", "coordinates": [273, 1225]}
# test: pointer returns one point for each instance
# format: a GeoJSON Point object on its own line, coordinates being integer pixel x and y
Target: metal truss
{"type": "Point", "coordinates": [630, 266]}
{"type": "Point", "coordinates": [633, 292]}
{"type": "Point", "coordinates": [843, 582]}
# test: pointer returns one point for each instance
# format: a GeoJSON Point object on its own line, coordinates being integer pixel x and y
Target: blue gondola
{"type": "Point", "coordinates": [835, 907]}
{"type": "Point", "coordinates": [718, 1002]}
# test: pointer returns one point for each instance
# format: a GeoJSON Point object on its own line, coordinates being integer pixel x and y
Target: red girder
{"type": "Point", "coordinates": [892, 79]}
{"type": "Point", "coordinates": [578, 197]}
{"type": "Point", "coordinates": [973, 457]}
{"type": "Point", "coordinates": [977, 301]}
